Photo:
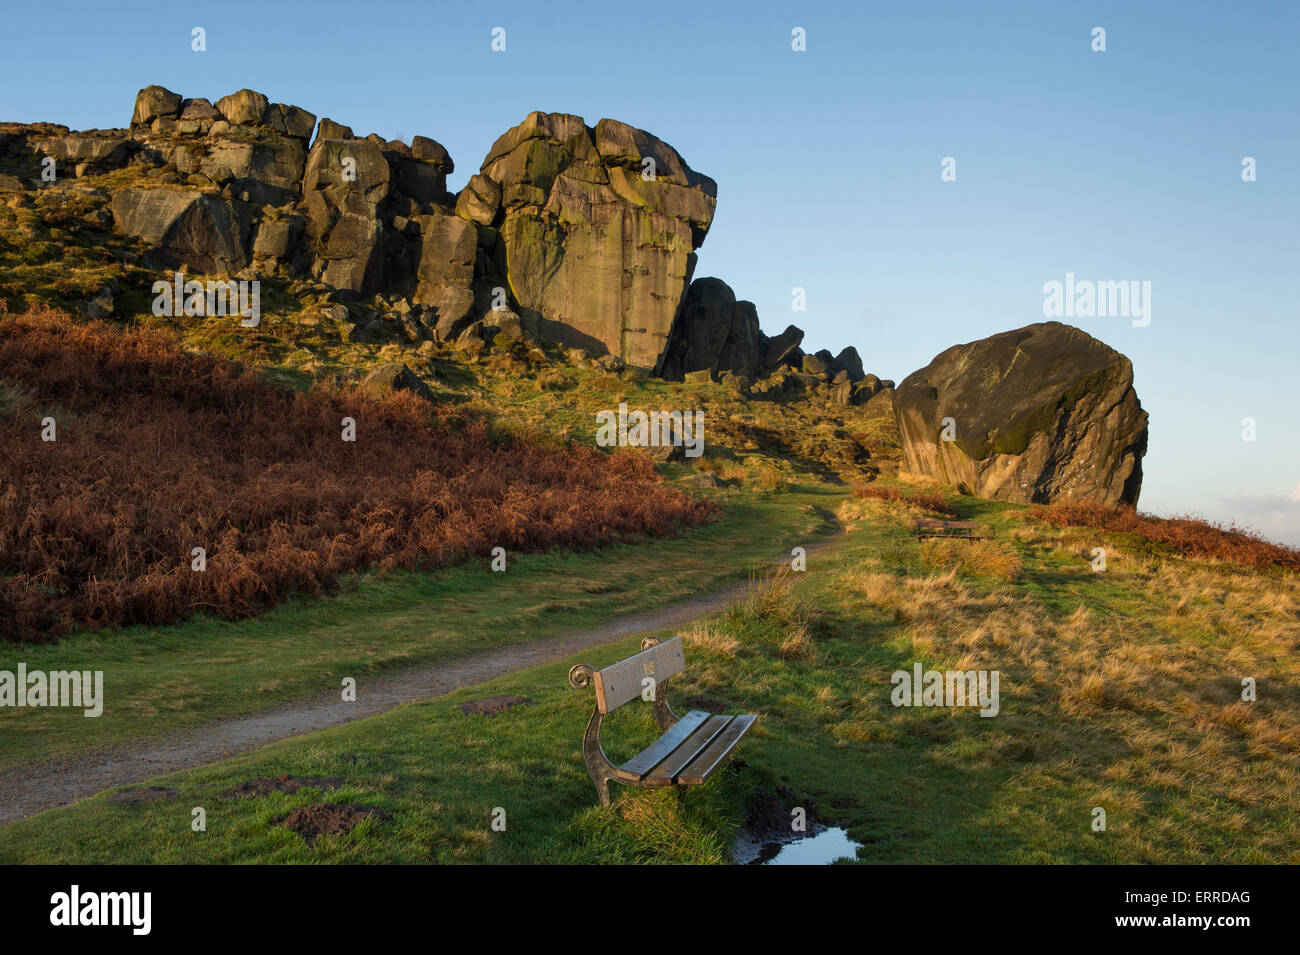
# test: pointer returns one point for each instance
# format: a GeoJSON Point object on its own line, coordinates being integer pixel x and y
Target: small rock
{"type": "Point", "coordinates": [393, 377]}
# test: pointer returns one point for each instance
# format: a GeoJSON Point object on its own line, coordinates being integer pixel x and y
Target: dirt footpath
{"type": "Point", "coordinates": [31, 789]}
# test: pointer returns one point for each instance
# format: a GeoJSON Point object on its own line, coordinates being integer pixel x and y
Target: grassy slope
{"type": "Point", "coordinates": [770, 458]}
{"type": "Point", "coordinates": [1119, 690]}
{"type": "Point", "coordinates": [163, 679]}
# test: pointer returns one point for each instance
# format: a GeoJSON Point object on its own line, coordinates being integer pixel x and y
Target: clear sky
{"type": "Point", "coordinates": [1122, 165]}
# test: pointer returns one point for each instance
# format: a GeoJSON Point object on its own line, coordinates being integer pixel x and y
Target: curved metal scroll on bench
{"type": "Point", "coordinates": [686, 757]}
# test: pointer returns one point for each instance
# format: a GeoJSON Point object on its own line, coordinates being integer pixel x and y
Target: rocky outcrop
{"type": "Point", "coordinates": [1040, 414]}
{"type": "Point", "coordinates": [713, 333]}
{"type": "Point", "coordinates": [784, 348]}
{"type": "Point", "coordinates": [91, 153]}
{"type": "Point", "coordinates": [599, 228]}
{"type": "Point", "coordinates": [717, 334]}
{"type": "Point", "coordinates": [583, 235]}
{"type": "Point", "coordinates": [344, 183]}
{"type": "Point", "coordinates": [479, 200]}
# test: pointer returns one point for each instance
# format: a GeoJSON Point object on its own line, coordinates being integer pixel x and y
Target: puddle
{"type": "Point", "coordinates": [821, 848]}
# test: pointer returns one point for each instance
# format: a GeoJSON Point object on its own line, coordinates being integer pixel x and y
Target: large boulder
{"type": "Point", "coordinates": [189, 228]}
{"type": "Point", "coordinates": [276, 238]}
{"type": "Point", "coordinates": [344, 183]}
{"type": "Point", "coordinates": [422, 147]}
{"type": "Point", "coordinates": [701, 329]}
{"type": "Point", "coordinates": [445, 275]}
{"type": "Point", "coordinates": [1041, 414]}
{"type": "Point", "coordinates": [329, 129]}
{"type": "Point", "coordinates": [850, 361]}
{"type": "Point", "coordinates": [713, 333]}
{"type": "Point", "coordinates": [246, 107]}
{"type": "Point", "coordinates": [394, 377]}
{"type": "Point", "coordinates": [154, 102]}
{"type": "Point", "coordinates": [599, 228]}
{"type": "Point", "coordinates": [741, 352]}
{"type": "Point", "coordinates": [197, 117]}
{"type": "Point", "coordinates": [391, 378]}
{"type": "Point", "coordinates": [278, 164]}
{"type": "Point", "coordinates": [479, 200]}
{"type": "Point", "coordinates": [291, 121]}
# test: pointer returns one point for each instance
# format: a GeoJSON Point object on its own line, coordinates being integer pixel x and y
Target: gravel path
{"type": "Point", "coordinates": [37, 787]}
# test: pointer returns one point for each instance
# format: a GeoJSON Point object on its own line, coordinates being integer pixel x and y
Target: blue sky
{"type": "Point", "coordinates": [1122, 165]}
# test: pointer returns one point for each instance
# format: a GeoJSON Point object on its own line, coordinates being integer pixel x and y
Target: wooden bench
{"type": "Point", "coordinates": [962, 530]}
{"type": "Point", "coordinates": [691, 749]}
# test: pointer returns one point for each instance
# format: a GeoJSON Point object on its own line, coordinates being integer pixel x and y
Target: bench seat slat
{"type": "Point", "coordinates": [656, 751]}
{"type": "Point", "coordinates": [666, 772]}
{"type": "Point", "coordinates": [963, 530]}
{"type": "Point", "coordinates": [716, 753]}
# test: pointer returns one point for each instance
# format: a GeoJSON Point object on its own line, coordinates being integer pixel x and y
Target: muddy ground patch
{"type": "Point", "coordinates": [328, 819]}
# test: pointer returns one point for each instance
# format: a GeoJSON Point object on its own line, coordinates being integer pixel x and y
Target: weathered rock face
{"type": "Point", "coordinates": [584, 236]}
{"type": "Point", "coordinates": [592, 243]}
{"type": "Point", "coordinates": [784, 348]}
{"type": "Point", "coordinates": [445, 274]}
{"type": "Point", "coordinates": [189, 228]}
{"type": "Point", "coordinates": [479, 200]}
{"type": "Point", "coordinates": [153, 102]}
{"type": "Point", "coordinates": [246, 166]}
{"type": "Point", "coordinates": [1041, 414]}
{"type": "Point", "coordinates": [344, 183]}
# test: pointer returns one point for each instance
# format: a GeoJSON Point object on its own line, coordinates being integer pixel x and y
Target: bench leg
{"type": "Point", "coordinates": [601, 770]}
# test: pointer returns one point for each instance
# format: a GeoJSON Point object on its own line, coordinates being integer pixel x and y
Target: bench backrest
{"type": "Point", "coordinates": [621, 682]}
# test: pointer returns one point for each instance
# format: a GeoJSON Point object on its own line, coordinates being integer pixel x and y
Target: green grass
{"type": "Point", "coordinates": [1120, 689]}
{"type": "Point", "coordinates": [1147, 730]}
{"type": "Point", "coordinates": [164, 679]}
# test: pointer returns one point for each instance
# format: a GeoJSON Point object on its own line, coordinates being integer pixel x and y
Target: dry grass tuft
{"type": "Point", "coordinates": [773, 616]}
{"type": "Point", "coordinates": [985, 558]}
{"type": "Point", "coordinates": [927, 500]}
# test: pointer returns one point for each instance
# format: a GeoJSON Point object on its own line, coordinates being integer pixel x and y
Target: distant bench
{"type": "Point", "coordinates": [962, 530]}
{"type": "Point", "coordinates": [691, 749]}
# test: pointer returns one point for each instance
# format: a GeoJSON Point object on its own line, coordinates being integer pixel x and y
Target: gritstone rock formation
{"type": "Point", "coordinates": [1040, 414]}
{"type": "Point", "coordinates": [578, 235]}
{"type": "Point", "coordinates": [600, 228]}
